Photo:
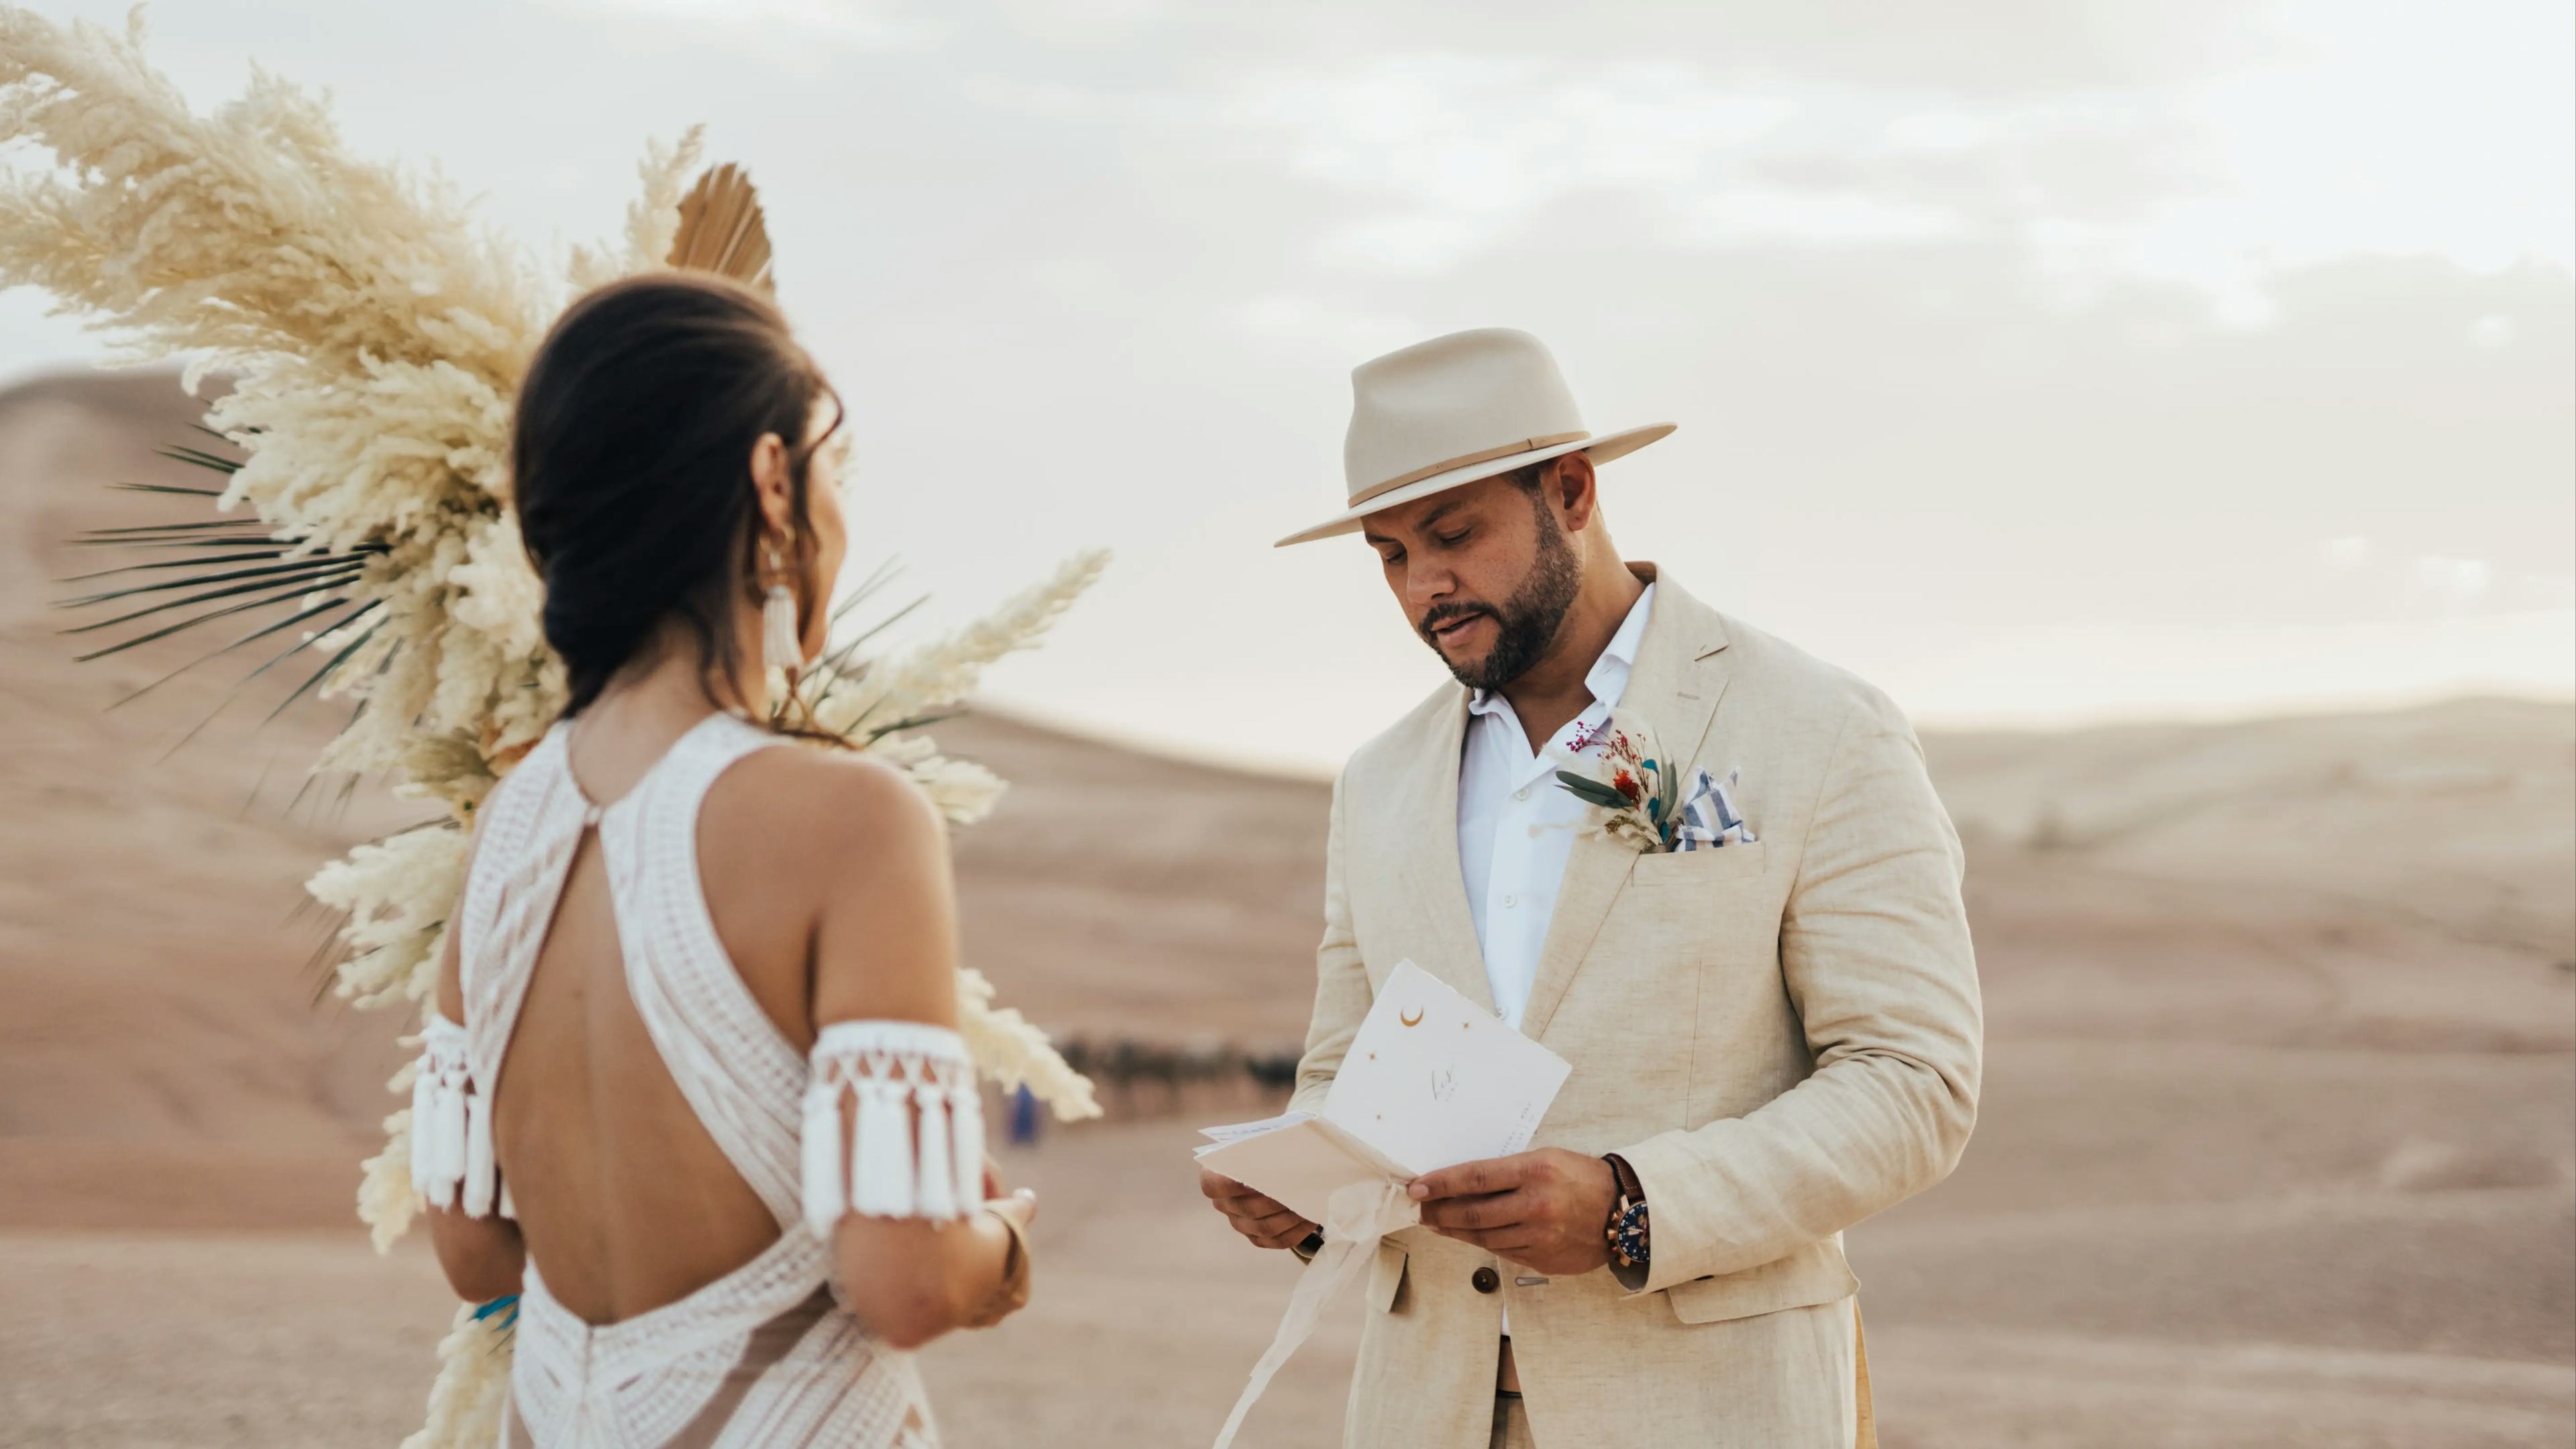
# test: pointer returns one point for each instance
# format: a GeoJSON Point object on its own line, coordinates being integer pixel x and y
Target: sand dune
{"type": "Point", "coordinates": [2276, 1146]}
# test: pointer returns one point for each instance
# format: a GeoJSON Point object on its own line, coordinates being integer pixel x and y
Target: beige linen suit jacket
{"type": "Point", "coordinates": [1781, 1037]}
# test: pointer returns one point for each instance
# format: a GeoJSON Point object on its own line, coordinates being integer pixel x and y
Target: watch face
{"type": "Point", "coordinates": [1632, 1239]}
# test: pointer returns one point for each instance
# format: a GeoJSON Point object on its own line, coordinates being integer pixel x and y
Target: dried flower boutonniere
{"type": "Point", "coordinates": [1638, 796]}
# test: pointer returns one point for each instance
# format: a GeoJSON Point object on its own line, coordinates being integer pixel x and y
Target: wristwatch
{"type": "Point", "coordinates": [1630, 1235]}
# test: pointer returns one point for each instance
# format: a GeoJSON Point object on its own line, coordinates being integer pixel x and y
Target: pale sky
{"type": "Point", "coordinates": [2042, 361]}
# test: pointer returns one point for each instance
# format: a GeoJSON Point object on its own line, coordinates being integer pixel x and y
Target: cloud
{"type": "Point", "coordinates": [785, 31]}
{"type": "Point", "coordinates": [2379, 131]}
{"type": "Point", "coordinates": [1347, 334]}
{"type": "Point", "coordinates": [2546, 592]}
{"type": "Point", "coordinates": [2452, 583]}
{"type": "Point", "coordinates": [1455, 148]}
{"type": "Point", "coordinates": [1967, 50]}
{"type": "Point", "coordinates": [1934, 133]}
{"type": "Point", "coordinates": [1779, 213]}
{"type": "Point", "coordinates": [2223, 149]}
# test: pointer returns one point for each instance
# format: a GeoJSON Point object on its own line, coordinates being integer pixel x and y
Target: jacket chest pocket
{"type": "Point", "coordinates": [1724, 867]}
{"type": "Point", "coordinates": [1704, 905]}
{"type": "Point", "coordinates": [1710, 920]}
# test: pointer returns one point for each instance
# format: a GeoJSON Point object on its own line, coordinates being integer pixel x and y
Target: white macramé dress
{"type": "Point", "coordinates": [762, 1356]}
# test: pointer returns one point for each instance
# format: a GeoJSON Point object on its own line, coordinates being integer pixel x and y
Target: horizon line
{"type": "Point", "coordinates": [1034, 714]}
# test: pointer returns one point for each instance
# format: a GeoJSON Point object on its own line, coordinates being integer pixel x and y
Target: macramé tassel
{"type": "Point", "coordinates": [446, 1141]}
{"type": "Point", "coordinates": [937, 1198]}
{"type": "Point", "coordinates": [966, 1113]}
{"type": "Point", "coordinates": [826, 1193]}
{"type": "Point", "coordinates": [881, 1179]}
{"type": "Point", "coordinates": [478, 1156]}
{"type": "Point", "coordinates": [422, 1078]}
{"type": "Point", "coordinates": [452, 1132]}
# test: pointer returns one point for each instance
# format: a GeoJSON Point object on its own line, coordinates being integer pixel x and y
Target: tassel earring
{"type": "Point", "coordinates": [782, 645]}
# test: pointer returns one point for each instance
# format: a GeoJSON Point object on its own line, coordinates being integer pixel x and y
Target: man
{"type": "Point", "coordinates": [1774, 1031]}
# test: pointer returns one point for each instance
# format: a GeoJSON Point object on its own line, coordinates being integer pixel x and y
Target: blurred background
{"type": "Point", "coordinates": [2173, 405]}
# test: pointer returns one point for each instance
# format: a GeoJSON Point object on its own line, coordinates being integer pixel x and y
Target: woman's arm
{"type": "Point", "coordinates": [885, 950]}
{"type": "Point", "coordinates": [483, 1256]}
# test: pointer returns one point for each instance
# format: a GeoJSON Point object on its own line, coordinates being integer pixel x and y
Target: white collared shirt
{"type": "Point", "coordinates": [1516, 826]}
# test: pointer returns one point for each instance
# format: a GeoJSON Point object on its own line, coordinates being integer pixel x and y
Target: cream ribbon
{"type": "Point", "coordinates": [1355, 1217]}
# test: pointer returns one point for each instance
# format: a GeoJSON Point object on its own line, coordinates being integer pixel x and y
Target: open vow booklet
{"type": "Point", "coordinates": [1432, 1080]}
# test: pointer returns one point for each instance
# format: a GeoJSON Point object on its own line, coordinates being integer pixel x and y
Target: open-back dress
{"type": "Point", "coordinates": [762, 1356]}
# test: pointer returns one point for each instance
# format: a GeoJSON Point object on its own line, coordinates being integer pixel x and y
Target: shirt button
{"type": "Point", "coordinates": [1486, 1280]}
{"type": "Point", "coordinates": [1510, 900]}
{"type": "Point", "coordinates": [1521, 794]}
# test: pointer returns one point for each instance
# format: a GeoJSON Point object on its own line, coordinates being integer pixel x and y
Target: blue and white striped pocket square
{"type": "Point", "coordinates": [1709, 816]}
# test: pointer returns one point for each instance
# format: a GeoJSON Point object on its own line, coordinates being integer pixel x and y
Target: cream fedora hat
{"type": "Point", "coordinates": [1455, 409]}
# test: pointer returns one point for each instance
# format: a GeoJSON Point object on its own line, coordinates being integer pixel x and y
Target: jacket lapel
{"type": "Point", "coordinates": [1430, 856]}
{"type": "Point", "coordinates": [1674, 691]}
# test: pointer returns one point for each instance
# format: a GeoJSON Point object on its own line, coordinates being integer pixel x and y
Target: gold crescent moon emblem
{"type": "Point", "coordinates": [1415, 1019]}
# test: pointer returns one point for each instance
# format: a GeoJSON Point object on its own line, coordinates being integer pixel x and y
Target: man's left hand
{"type": "Point", "coordinates": [1543, 1209]}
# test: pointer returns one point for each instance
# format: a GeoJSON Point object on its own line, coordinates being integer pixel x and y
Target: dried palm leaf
{"type": "Point", "coordinates": [722, 229]}
{"type": "Point", "coordinates": [229, 566]}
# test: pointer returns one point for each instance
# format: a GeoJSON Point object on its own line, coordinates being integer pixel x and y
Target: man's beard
{"type": "Point", "coordinates": [1528, 621]}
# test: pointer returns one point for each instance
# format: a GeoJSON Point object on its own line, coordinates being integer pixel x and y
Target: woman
{"type": "Point", "coordinates": [694, 1086]}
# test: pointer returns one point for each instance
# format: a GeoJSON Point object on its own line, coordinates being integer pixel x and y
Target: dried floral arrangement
{"type": "Point", "coordinates": [1638, 796]}
{"type": "Point", "coordinates": [374, 338]}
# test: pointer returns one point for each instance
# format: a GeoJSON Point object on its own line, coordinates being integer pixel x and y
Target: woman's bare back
{"type": "Point", "coordinates": [623, 1197]}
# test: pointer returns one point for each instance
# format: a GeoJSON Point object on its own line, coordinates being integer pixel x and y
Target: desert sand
{"type": "Point", "coordinates": [2276, 1146]}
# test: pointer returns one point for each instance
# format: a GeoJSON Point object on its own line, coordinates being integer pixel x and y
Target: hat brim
{"type": "Point", "coordinates": [1602, 449]}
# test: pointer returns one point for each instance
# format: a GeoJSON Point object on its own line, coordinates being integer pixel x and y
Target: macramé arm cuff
{"type": "Point", "coordinates": [893, 1125]}
{"type": "Point", "coordinates": [451, 1127]}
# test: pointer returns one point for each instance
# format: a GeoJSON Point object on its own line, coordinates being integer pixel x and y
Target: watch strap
{"type": "Point", "coordinates": [1629, 1185]}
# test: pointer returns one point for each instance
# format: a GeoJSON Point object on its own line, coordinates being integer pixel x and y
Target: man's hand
{"type": "Point", "coordinates": [1543, 1209]}
{"type": "Point", "coordinates": [1265, 1221]}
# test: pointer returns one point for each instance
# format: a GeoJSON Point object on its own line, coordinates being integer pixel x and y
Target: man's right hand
{"type": "Point", "coordinates": [1264, 1220]}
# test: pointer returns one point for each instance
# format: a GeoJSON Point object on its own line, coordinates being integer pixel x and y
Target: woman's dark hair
{"type": "Point", "coordinates": [631, 464]}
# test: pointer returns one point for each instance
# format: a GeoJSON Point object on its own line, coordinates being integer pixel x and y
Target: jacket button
{"type": "Point", "coordinates": [1486, 1280]}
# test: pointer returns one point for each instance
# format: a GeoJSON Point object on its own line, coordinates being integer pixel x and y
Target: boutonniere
{"type": "Point", "coordinates": [1636, 796]}
{"type": "Point", "coordinates": [1640, 800]}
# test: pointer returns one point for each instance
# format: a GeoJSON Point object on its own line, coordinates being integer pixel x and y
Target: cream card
{"type": "Point", "coordinates": [1434, 1080]}
{"type": "Point", "coordinates": [1430, 1081]}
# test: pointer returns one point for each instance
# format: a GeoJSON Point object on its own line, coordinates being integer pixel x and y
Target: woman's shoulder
{"type": "Point", "coordinates": [848, 861]}
{"type": "Point", "coordinates": [794, 802]}
{"type": "Point", "coordinates": [804, 854]}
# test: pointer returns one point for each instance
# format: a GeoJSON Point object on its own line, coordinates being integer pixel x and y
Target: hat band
{"type": "Point", "coordinates": [1526, 445]}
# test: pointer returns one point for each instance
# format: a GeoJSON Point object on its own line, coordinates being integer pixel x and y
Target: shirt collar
{"type": "Point", "coordinates": [1608, 679]}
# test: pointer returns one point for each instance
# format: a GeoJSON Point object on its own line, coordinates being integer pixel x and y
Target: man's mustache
{"type": "Point", "coordinates": [1445, 613]}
